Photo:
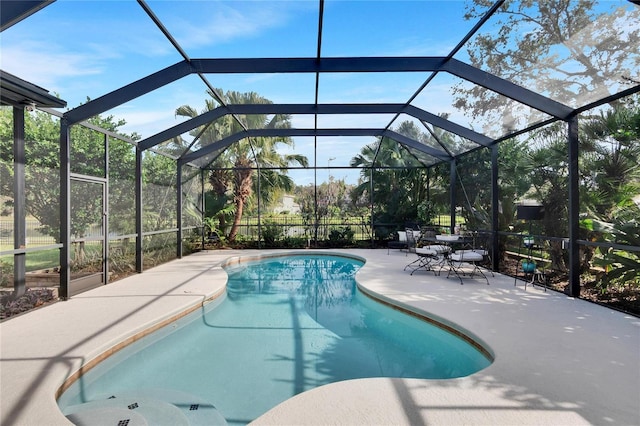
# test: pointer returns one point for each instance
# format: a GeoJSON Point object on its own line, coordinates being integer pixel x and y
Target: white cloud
{"type": "Point", "coordinates": [146, 122]}
{"type": "Point", "coordinates": [46, 65]}
{"type": "Point", "coordinates": [417, 46]}
{"type": "Point", "coordinates": [222, 23]}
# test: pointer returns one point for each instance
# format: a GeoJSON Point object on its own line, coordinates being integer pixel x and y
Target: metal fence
{"type": "Point", "coordinates": [34, 234]}
{"type": "Point", "coordinates": [295, 226]}
{"type": "Point", "coordinates": [287, 226]}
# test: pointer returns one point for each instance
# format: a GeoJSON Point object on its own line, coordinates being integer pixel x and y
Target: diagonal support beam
{"type": "Point", "coordinates": [507, 88]}
{"type": "Point", "coordinates": [417, 145]}
{"type": "Point", "coordinates": [129, 92]}
{"type": "Point", "coordinates": [183, 127]}
{"type": "Point", "coordinates": [449, 126]}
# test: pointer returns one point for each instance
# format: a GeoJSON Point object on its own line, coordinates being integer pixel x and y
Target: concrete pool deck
{"type": "Point", "coordinates": [558, 360]}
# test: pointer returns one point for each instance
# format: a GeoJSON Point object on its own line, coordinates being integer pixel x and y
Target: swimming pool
{"type": "Point", "coordinates": [287, 324]}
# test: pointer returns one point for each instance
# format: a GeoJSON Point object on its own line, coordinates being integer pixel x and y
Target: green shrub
{"type": "Point", "coordinates": [622, 268]}
{"type": "Point", "coordinates": [294, 242]}
{"type": "Point", "coordinates": [341, 236]}
{"type": "Point", "coordinates": [271, 233]}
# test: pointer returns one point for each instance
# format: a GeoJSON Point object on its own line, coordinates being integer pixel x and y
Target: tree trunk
{"type": "Point", "coordinates": [242, 181]}
{"type": "Point", "coordinates": [236, 219]}
{"type": "Point", "coordinates": [219, 181]}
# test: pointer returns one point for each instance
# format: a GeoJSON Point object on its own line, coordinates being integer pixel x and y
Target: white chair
{"type": "Point", "coordinates": [481, 245]}
{"type": "Point", "coordinates": [442, 254]}
{"type": "Point", "coordinates": [411, 240]}
{"type": "Point", "coordinates": [460, 260]}
{"type": "Point", "coordinates": [400, 243]}
{"type": "Point", "coordinates": [425, 258]}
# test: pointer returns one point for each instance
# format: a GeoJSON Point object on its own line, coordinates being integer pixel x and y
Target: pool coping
{"type": "Point", "coordinates": [549, 349]}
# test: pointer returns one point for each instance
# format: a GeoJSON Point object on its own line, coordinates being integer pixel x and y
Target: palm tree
{"type": "Point", "coordinates": [398, 190]}
{"type": "Point", "coordinates": [218, 199]}
{"type": "Point", "coordinates": [243, 157]}
{"type": "Point", "coordinates": [611, 145]}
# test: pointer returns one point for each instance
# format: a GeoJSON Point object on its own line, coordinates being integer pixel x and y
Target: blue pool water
{"type": "Point", "coordinates": [287, 324]}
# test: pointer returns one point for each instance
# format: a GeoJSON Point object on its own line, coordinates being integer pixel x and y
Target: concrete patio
{"type": "Point", "coordinates": [558, 360]}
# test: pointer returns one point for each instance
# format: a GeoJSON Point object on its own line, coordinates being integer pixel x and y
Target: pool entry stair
{"type": "Point", "coordinates": [146, 407]}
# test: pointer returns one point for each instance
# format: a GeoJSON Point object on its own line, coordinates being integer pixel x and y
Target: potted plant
{"type": "Point", "coordinates": [528, 266]}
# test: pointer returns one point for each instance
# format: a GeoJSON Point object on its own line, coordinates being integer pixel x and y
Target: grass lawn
{"type": "Point", "coordinates": [46, 259]}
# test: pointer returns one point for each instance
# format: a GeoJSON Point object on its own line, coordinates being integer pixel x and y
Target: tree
{"type": "Point", "coordinates": [569, 51]}
{"type": "Point", "coordinates": [474, 193]}
{"type": "Point", "coordinates": [306, 197]}
{"type": "Point", "coordinates": [573, 52]}
{"type": "Point", "coordinates": [42, 135]}
{"type": "Point", "coordinates": [42, 178]}
{"type": "Point", "coordinates": [159, 191]}
{"type": "Point", "coordinates": [611, 147]}
{"type": "Point", "coordinates": [272, 179]}
{"type": "Point", "coordinates": [219, 199]}
{"type": "Point", "coordinates": [243, 157]}
{"type": "Point", "coordinates": [474, 171]}
{"type": "Point", "coordinates": [611, 190]}
{"type": "Point", "coordinates": [122, 206]}
{"type": "Point", "coordinates": [400, 186]}
{"type": "Point", "coordinates": [548, 169]}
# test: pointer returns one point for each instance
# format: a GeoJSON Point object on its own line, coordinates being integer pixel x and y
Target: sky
{"type": "Point", "coordinates": [82, 49]}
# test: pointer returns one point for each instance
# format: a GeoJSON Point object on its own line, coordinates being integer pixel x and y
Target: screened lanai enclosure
{"type": "Point", "coordinates": [168, 127]}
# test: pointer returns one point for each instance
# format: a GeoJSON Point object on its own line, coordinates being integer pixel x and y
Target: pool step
{"type": "Point", "coordinates": [146, 407]}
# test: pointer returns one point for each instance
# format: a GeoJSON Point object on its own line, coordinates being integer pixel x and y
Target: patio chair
{"type": "Point", "coordinates": [411, 240]}
{"type": "Point", "coordinates": [424, 261]}
{"type": "Point", "coordinates": [399, 244]}
{"type": "Point", "coordinates": [443, 252]}
{"type": "Point", "coordinates": [411, 247]}
{"type": "Point", "coordinates": [459, 262]}
{"type": "Point", "coordinates": [481, 245]}
{"type": "Point", "coordinates": [430, 258]}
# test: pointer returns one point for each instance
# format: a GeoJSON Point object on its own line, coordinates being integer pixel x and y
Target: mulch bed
{"type": "Point", "coordinates": [33, 298]}
{"type": "Point", "coordinates": [625, 299]}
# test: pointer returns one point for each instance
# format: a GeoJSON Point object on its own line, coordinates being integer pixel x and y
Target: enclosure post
{"type": "Point", "coordinates": [428, 187]}
{"type": "Point", "coordinates": [203, 205]}
{"type": "Point", "coordinates": [65, 208]}
{"type": "Point", "coordinates": [574, 208]}
{"type": "Point", "coordinates": [179, 210]}
{"type": "Point", "coordinates": [19, 203]}
{"type": "Point", "coordinates": [138, 184]}
{"type": "Point", "coordinates": [315, 204]}
{"type": "Point", "coordinates": [452, 194]}
{"type": "Point", "coordinates": [259, 212]}
{"type": "Point", "coordinates": [495, 208]}
{"type": "Point", "coordinates": [105, 210]}
{"type": "Point", "coordinates": [373, 230]}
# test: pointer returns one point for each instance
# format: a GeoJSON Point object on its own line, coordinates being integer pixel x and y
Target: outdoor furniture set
{"type": "Point", "coordinates": [458, 253]}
